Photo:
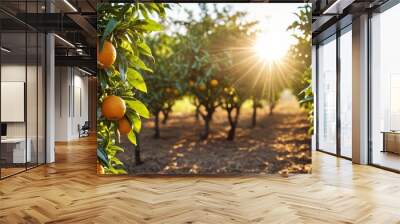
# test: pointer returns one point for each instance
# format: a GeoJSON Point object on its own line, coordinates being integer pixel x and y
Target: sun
{"type": "Point", "coordinates": [271, 47]}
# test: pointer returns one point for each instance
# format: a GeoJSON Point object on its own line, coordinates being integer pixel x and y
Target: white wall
{"type": "Point", "coordinates": [71, 102]}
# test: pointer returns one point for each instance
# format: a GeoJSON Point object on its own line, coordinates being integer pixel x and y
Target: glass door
{"type": "Point", "coordinates": [327, 95]}
{"type": "Point", "coordinates": [22, 90]}
{"type": "Point", "coordinates": [14, 156]}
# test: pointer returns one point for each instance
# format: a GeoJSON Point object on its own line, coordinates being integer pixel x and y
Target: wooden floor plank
{"type": "Point", "coordinates": [69, 191]}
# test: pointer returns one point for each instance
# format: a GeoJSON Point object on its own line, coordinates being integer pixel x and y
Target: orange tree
{"type": "Point", "coordinates": [207, 89]}
{"type": "Point", "coordinates": [233, 38]}
{"type": "Point", "coordinates": [200, 67]}
{"type": "Point", "coordinates": [276, 83]}
{"type": "Point", "coordinates": [163, 84]}
{"type": "Point", "coordinates": [232, 101]}
{"type": "Point", "coordinates": [121, 29]}
{"type": "Point", "coordinates": [209, 43]}
{"type": "Point", "coordinates": [301, 55]}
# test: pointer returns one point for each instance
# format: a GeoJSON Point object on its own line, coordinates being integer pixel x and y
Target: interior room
{"type": "Point", "coordinates": [48, 91]}
{"type": "Point", "coordinates": [49, 167]}
{"type": "Point", "coordinates": [72, 106]}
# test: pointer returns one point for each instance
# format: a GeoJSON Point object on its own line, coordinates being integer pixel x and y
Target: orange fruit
{"type": "Point", "coordinates": [113, 108]}
{"type": "Point", "coordinates": [100, 169]}
{"type": "Point", "coordinates": [107, 55]}
{"type": "Point", "coordinates": [167, 90]}
{"type": "Point", "coordinates": [214, 83]}
{"type": "Point", "coordinates": [191, 83]}
{"type": "Point", "coordinates": [176, 92]}
{"type": "Point", "coordinates": [124, 126]}
{"type": "Point", "coordinates": [202, 87]}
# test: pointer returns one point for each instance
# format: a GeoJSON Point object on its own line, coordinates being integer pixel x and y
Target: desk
{"type": "Point", "coordinates": [16, 147]}
{"type": "Point", "coordinates": [391, 141]}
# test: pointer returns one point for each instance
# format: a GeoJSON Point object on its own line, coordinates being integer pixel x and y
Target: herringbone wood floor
{"type": "Point", "coordinates": [70, 192]}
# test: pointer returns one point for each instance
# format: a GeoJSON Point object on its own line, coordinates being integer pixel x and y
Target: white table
{"type": "Point", "coordinates": [19, 153]}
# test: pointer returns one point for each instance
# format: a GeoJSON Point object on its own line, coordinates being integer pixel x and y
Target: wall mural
{"type": "Point", "coordinates": [186, 89]}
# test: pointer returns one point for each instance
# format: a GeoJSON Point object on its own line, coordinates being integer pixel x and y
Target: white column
{"type": "Point", "coordinates": [360, 89]}
{"type": "Point", "coordinates": [50, 100]}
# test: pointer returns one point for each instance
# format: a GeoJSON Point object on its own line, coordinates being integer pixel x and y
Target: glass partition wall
{"type": "Point", "coordinates": [334, 94]}
{"type": "Point", "coordinates": [327, 96]}
{"type": "Point", "coordinates": [22, 77]}
{"type": "Point", "coordinates": [345, 62]}
{"type": "Point", "coordinates": [385, 89]}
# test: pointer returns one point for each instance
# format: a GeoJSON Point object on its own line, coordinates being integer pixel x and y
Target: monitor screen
{"type": "Point", "coordinates": [3, 129]}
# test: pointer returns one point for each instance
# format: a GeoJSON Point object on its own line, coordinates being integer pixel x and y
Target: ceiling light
{"type": "Point", "coordinates": [337, 7]}
{"type": "Point", "coordinates": [5, 49]}
{"type": "Point", "coordinates": [65, 41]}
{"type": "Point", "coordinates": [70, 5]}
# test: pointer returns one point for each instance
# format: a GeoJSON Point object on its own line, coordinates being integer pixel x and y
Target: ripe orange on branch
{"type": "Point", "coordinates": [100, 169]}
{"type": "Point", "coordinates": [191, 83]}
{"type": "Point", "coordinates": [106, 57]}
{"type": "Point", "coordinates": [124, 126]}
{"type": "Point", "coordinates": [214, 83]}
{"type": "Point", "coordinates": [202, 87]}
{"type": "Point", "coordinates": [113, 108]}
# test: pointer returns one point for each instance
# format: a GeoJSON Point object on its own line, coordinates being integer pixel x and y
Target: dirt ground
{"type": "Point", "coordinates": [279, 144]}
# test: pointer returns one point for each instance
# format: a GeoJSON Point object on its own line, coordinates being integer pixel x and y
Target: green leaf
{"type": "Point", "coordinates": [137, 124]}
{"type": "Point", "coordinates": [135, 79]}
{"type": "Point", "coordinates": [116, 161]}
{"type": "Point", "coordinates": [150, 25]}
{"type": "Point", "coordinates": [307, 99]}
{"type": "Point", "coordinates": [145, 49]}
{"type": "Point", "coordinates": [113, 170]}
{"type": "Point", "coordinates": [138, 63]}
{"type": "Point", "coordinates": [117, 148]}
{"type": "Point", "coordinates": [102, 156]}
{"type": "Point", "coordinates": [135, 120]}
{"type": "Point", "coordinates": [122, 65]}
{"type": "Point", "coordinates": [144, 11]}
{"type": "Point", "coordinates": [132, 137]}
{"type": "Point", "coordinates": [139, 107]}
{"type": "Point", "coordinates": [109, 29]}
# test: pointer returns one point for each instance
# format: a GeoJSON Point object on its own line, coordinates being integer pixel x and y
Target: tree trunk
{"type": "Point", "coordinates": [231, 133]}
{"type": "Point", "coordinates": [233, 123]}
{"type": "Point", "coordinates": [271, 108]}
{"type": "Point", "coordinates": [197, 113]}
{"type": "Point", "coordinates": [254, 117]}
{"type": "Point", "coordinates": [207, 119]}
{"type": "Point", "coordinates": [166, 116]}
{"type": "Point", "coordinates": [157, 125]}
{"type": "Point", "coordinates": [138, 160]}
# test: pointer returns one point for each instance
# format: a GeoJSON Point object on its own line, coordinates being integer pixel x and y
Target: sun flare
{"type": "Point", "coordinates": [271, 47]}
